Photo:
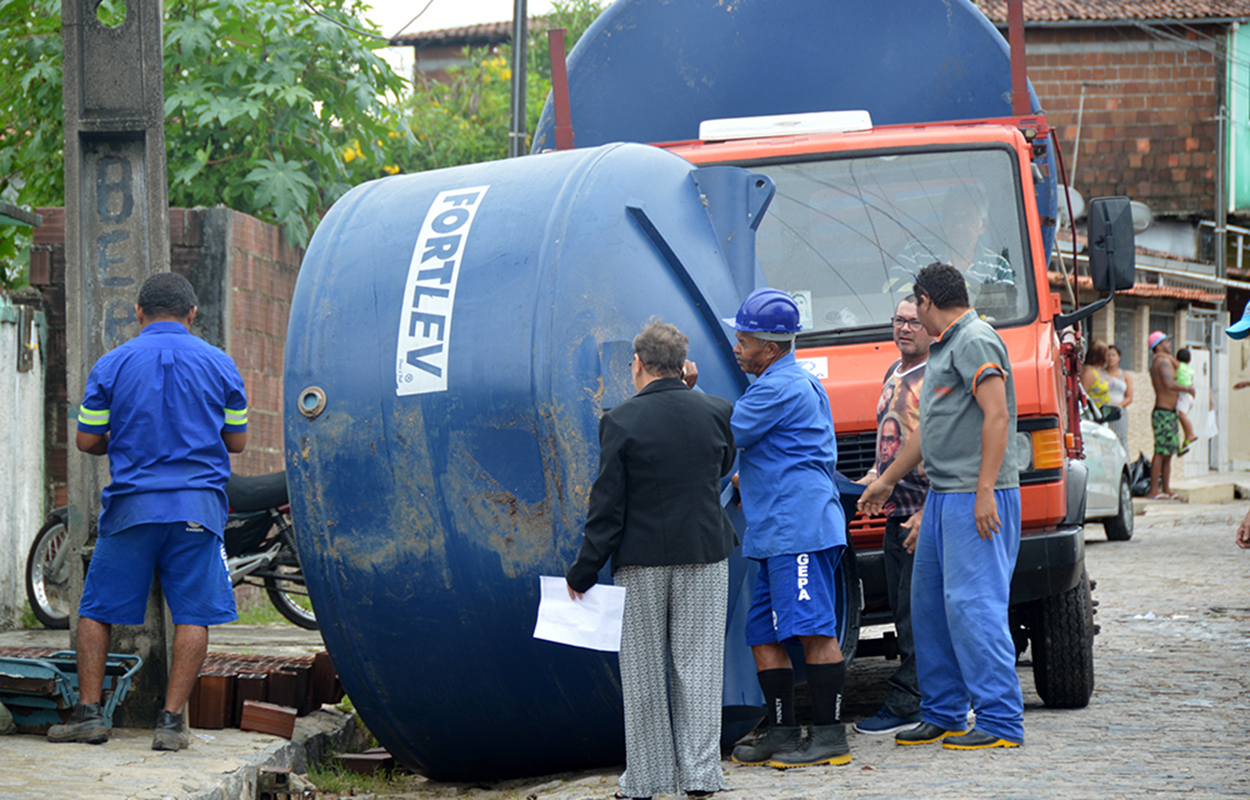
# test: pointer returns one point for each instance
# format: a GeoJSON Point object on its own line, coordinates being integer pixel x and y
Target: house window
{"type": "Point", "coordinates": [1126, 337]}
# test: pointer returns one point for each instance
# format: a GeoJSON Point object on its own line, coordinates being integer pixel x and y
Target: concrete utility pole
{"type": "Point", "coordinates": [116, 235]}
{"type": "Point", "coordinates": [520, 37]}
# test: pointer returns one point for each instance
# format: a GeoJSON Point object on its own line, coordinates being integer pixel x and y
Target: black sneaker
{"type": "Point", "coordinates": [977, 740]}
{"type": "Point", "coordinates": [86, 724]}
{"type": "Point", "coordinates": [169, 734]}
{"type": "Point", "coordinates": [924, 733]}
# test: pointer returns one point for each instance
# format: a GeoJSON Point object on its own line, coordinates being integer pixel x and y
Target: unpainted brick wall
{"type": "Point", "coordinates": [257, 272]}
{"type": "Point", "coordinates": [263, 269]}
{"type": "Point", "coordinates": [1148, 129]}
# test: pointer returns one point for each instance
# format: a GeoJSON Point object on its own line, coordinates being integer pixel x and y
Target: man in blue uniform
{"type": "Point", "coordinates": [970, 535]}
{"type": "Point", "coordinates": [167, 408]}
{"type": "Point", "coordinates": [796, 530]}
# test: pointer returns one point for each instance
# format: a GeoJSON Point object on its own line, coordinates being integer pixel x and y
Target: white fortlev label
{"type": "Point", "coordinates": [430, 293]}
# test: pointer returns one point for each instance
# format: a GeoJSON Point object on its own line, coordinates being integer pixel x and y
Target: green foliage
{"type": "Point", "coordinates": [466, 119]}
{"type": "Point", "coordinates": [31, 120]}
{"type": "Point", "coordinates": [270, 109]}
{"type": "Point", "coordinates": [259, 97]}
{"type": "Point", "coordinates": [28, 620]}
{"type": "Point", "coordinates": [575, 16]}
{"type": "Point", "coordinates": [328, 776]}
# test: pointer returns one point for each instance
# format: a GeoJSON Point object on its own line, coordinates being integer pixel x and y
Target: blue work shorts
{"type": "Point", "coordinates": [190, 560]}
{"type": "Point", "coordinates": [795, 595]}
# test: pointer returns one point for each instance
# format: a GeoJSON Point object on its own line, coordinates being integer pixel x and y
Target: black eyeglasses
{"type": "Point", "coordinates": [904, 322]}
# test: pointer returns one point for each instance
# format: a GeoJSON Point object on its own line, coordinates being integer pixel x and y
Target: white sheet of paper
{"type": "Point", "coordinates": [594, 622]}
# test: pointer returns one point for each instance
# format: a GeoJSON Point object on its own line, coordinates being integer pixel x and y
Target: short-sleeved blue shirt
{"type": "Point", "coordinates": [788, 455]}
{"type": "Point", "coordinates": [165, 397]}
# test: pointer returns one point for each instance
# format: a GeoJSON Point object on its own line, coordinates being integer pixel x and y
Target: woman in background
{"type": "Point", "coordinates": [1092, 376]}
{"type": "Point", "coordinates": [1120, 393]}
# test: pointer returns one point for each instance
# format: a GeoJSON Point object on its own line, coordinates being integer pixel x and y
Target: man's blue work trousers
{"type": "Point", "coordinates": [960, 587]}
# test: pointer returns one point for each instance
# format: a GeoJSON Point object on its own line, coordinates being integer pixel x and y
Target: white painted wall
{"type": "Point", "coordinates": [22, 497]}
{"type": "Point", "coordinates": [1195, 463]}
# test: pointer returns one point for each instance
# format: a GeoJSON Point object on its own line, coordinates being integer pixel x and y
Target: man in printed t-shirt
{"type": "Point", "coordinates": [898, 415]}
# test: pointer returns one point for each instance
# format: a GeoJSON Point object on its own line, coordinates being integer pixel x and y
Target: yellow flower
{"type": "Point", "coordinates": [349, 154]}
{"type": "Point", "coordinates": [505, 75]}
{"type": "Point", "coordinates": [391, 169]}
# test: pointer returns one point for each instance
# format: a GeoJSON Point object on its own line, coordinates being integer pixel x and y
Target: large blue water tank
{"type": "Point", "coordinates": [454, 337]}
{"type": "Point", "coordinates": [652, 70]}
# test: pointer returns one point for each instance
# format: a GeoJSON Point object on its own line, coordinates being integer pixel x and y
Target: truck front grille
{"type": "Point", "coordinates": [857, 452]}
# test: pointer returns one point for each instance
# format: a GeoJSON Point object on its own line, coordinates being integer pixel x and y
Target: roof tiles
{"type": "Point", "coordinates": [1118, 10]}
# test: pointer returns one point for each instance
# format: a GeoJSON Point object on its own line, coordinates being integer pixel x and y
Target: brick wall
{"type": "Point", "coordinates": [1147, 130]}
{"type": "Point", "coordinates": [263, 268]}
{"type": "Point", "coordinates": [244, 274]}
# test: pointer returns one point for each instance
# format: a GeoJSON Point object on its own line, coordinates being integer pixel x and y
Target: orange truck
{"type": "Point", "coordinates": [908, 112]}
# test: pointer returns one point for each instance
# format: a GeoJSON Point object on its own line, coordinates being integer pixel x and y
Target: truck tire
{"type": "Point", "coordinates": [1063, 647]}
{"type": "Point", "coordinates": [1120, 527]}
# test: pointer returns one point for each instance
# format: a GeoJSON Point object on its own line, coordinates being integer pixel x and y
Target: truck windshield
{"type": "Point", "coordinates": [847, 236]}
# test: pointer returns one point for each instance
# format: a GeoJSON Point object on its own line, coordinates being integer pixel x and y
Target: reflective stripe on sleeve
{"type": "Point", "coordinates": [236, 416]}
{"type": "Point", "coordinates": [90, 416]}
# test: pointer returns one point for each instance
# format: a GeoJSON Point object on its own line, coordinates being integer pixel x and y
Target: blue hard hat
{"type": "Point", "coordinates": [1241, 328]}
{"type": "Point", "coordinates": [766, 311]}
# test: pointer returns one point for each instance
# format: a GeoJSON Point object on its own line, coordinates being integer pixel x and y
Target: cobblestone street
{"type": "Point", "coordinates": [1168, 717]}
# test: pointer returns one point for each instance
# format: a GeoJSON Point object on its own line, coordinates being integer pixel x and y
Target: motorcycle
{"type": "Point", "coordinates": [260, 551]}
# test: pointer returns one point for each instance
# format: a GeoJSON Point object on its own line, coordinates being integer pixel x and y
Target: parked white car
{"type": "Point", "coordinates": [1107, 493]}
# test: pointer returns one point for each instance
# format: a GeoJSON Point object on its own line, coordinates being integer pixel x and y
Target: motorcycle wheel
{"type": "Point", "coordinates": [290, 595]}
{"type": "Point", "coordinates": [48, 593]}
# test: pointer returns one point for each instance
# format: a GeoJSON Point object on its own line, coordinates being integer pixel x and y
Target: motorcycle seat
{"type": "Point", "coordinates": [256, 493]}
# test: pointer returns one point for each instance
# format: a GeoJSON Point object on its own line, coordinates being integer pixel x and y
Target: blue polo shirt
{"type": "Point", "coordinates": [788, 455]}
{"type": "Point", "coordinates": [165, 397]}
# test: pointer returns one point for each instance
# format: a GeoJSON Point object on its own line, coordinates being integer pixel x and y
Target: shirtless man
{"type": "Point", "coordinates": [1163, 419]}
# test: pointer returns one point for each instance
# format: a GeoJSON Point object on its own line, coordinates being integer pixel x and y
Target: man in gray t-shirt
{"type": "Point", "coordinates": [970, 535]}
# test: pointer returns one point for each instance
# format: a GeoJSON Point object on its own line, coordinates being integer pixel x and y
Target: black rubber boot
{"type": "Point", "coordinates": [825, 744]}
{"type": "Point", "coordinates": [86, 724]}
{"type": "Point", "coordinates": [169, 734]}
{"type": "Point", "coordinates": [778, 739]}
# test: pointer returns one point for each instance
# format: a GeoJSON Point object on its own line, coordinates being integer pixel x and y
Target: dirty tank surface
{"type": "Point", "coordinates": [454, 338]}
{"type": "Point", "coordinates": [1171, 671]}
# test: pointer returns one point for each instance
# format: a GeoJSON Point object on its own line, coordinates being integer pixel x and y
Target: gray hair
{"type": "Point", "coordinates": [661, 348]}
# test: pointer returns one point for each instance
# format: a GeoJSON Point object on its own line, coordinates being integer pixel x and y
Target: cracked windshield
{"type": "Point", "coordinates": [846, 237]}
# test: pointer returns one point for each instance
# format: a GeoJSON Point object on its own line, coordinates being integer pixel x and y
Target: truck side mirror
{"type": "Point", "coordinates": [1111, 254]}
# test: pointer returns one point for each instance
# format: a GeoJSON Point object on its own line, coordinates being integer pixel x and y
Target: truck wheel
{"type": "Point", "coordinates": [1120, 527]}
{"type": "Point", "coordinates": [1063, 647]}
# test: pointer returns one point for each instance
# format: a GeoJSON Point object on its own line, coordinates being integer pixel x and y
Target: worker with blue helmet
{"type": "Point", "coordinates": [796, 530]}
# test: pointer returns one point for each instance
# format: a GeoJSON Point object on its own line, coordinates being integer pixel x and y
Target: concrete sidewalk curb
{"type": "Point", "coordinates": [316, 736]}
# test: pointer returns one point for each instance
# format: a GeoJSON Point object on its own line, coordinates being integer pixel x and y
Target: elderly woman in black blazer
{"type": "Point", "coordinates": [655, 511]}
